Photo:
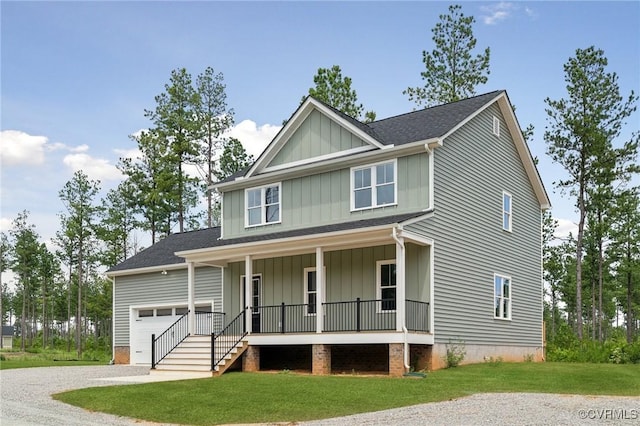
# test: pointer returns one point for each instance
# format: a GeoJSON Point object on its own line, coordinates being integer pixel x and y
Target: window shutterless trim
{"type": "Point", "coordinates": [379, 265]}
{"type": "Point", "coordinates": [502, 298]}
{"type": "Point", "coordinates": [373, 185]}
{"type": "Point", "coordinates": [507, 214]}
{"type": "Point", "coordinates": [263, 205]}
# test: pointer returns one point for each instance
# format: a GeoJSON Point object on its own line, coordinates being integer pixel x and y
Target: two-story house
{"type": "Point", "coordinates": [369, 247]}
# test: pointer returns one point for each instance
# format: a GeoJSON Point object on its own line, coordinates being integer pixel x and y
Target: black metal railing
{"type": "Point", "coordinates": [224, 342]}
{"type": "Point", "coordinates": [169, 339]}
{"type": "Point", "coordinates": [359, 315]}
{"type": "Point", "coordinates": [287, 319]}
{"type": "Point", "coordinates": [417, 314]}
{"type": "Point", "coordinates": [208, 322]}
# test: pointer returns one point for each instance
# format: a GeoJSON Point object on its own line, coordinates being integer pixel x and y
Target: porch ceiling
{"type": "Point", "coordinates": [342, 240]}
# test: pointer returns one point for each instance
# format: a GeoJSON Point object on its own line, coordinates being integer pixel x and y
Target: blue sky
{"type": "Point", "coordinates": [77, 76]}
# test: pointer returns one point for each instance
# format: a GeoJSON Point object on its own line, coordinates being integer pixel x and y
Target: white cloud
{"type": "Point", "coordinates": [5, 224]}
{"type": "Point", "coordinates": [496, 12]}
{"type": "Point", "coordinates": [95, 168]}
{"type": "Point", "coordinates": [254, 138]}
{"type": "Point", "coordinates": [565, 227]}
{"type": "Point", "coordinates": [19, 148]}
{"type": "Point", "coordinates": [134, 153]}
{"type": "Point", "coordinates": [530, 12]}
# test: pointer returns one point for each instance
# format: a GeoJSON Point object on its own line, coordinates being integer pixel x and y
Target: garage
{"type": "Point", "coordinates": [148, 321]}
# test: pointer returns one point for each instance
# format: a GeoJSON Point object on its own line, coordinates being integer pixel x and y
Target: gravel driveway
{"type": "Point", "coordinates": [26, 401]}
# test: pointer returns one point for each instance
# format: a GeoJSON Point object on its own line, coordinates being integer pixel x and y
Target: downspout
{"type": "Point", "coordinates": [405, 332]}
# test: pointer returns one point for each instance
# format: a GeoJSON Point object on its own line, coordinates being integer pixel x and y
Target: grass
{"type": "Point", "coordinates": [10, 360]}
{"type": "Point", "coordinates": [264, 398]}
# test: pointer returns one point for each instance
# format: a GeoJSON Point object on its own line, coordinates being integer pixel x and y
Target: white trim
{"type": "Point", "coordinates": [221, 215]}
{"type": "Point", "coordinates": [501, 296]}
{"type": "Point", "coordinates": [147, 270]}
{"type": "Point", "coordinates": [113, 321]}
{"type": "Point", "coordinates": [341, 338]}
{"type": "Point", "coordinates": [292, 125]}
{"type": "Point", "coordinates": [255, 276]}
{"type": "Point", "coordinates": [379, 263]}
{"type": "Point", "coordinates": [317, 159]}
{"type": "Point", "coordinates": [509, 212]}
{"type": "Point", "coordinates": [373, 185]}
{"type": "Point", "coordinates": [318, 291]}
{"type": "Point", "coordinates": [431, 201]}
{"type": "Point", "coordinates": [263, 205]}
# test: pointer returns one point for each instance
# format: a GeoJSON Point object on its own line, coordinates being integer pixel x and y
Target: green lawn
{"type": "Point", "coordinates": [263, 397]}
{"type": "Point", "coordinates": [46, 359]}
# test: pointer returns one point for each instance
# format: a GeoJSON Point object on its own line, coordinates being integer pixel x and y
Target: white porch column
{"type": "Point", "coordinates": [191, 291]}
{"type": "Point", "coordinates": [248, 290]}
{"type": "Point", "coordinates": [320, 297]}
{"type": "Point", "coordinates": [400, 285]}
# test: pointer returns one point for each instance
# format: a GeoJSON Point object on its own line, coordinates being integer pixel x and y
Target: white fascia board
{"type": "Point", "coordinates": [350, 238]}
{"type": "Point", "coordinates": [341, 338]}
{"type": "Point", "coordinates": [295, 121]}
{"type": "Point", "coordinates": [523, 151]}
{"type": "Point", "coordinates": [329, 165]}
{"type": "Point", "coordinates": [149, 269]}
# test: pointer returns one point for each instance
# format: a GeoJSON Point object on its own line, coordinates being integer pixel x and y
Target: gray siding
{"type": "Point", "coordinates": [471, 170]}
{"type": "Point", "coordinates": [155, 288]}
{"type": "Point", "coordinates": [318, 135]}
{"type": "Point", "coordinates": [326, 198]}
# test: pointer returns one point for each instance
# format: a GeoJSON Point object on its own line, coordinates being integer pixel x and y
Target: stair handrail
{"type": "Point", "coordinates": [162, 346]}
{"type": "Point", "coordinates": [226, 338]}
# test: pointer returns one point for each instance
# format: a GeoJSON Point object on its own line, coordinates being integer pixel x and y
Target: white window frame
{"type": "Point", "coordinates": [379, 265]}
{"type": "Point", "coordinates": [263, 205]}
{"type": "Point", "coordinates": [507, 214]}
{"type": "Point", "coordinates": [242, 292]}
{"type": "Point", "coordinates": [496, 126]}
{"type": "Point", "coordinates": [501, 298]}
{"type": "Point", "coordinates": [373, 187]}
{"type": "Point", "coordinates": [306, 290]}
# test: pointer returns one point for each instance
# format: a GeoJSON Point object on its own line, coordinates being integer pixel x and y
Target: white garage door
{"type": "Point", "coordinates": [147, 322]}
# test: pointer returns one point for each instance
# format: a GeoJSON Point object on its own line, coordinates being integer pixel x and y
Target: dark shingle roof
{"type": "Point", "coordinates": [428, 123]}
{"type": "Point", "coordinates": [162, 252]}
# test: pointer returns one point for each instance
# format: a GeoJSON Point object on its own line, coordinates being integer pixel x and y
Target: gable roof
{"type": "Point", "coordinates": [163, 252]}
{"type": "Point", "coordinates": [429, 123]}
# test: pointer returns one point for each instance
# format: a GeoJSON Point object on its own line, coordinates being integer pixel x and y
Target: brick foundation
{"type": "Point", "coordinates": [396, 360]}
{"type": "Point", "coordinates": [420, 357]}
{"type": "Point", "coordinates": [251, 359]}
{"type": "Point", "coordinates": [121, 355]}
{"type": "Point", "coordinates": [321, 359]}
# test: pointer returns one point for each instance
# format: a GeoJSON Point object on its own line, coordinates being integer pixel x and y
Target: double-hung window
{"type": "Point", "coordinates": [502, 296]}
{"type": "Point", "coordinates": [311, 290]}
{"type": "Point", "coordinates": [506, 211]}
{"type": "Point", "coordinates": [386, 280]}
{"type": "Point", "coordinates": [263, 205]}
{"type": "Point", "coordinates": [373, 185]}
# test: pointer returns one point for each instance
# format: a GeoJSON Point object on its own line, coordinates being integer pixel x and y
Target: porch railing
{"type": "Point", "coordinates": [359, 315]}
{"type": "Point", "coordinates": [417, 314]}
{"type": "Point", "coordinates": [224, 342]}
{"type": "Point", "coordinates": [209, 322]}
{"type": "Point", "coordinates": [169, 339]}
{"type": "Point", "coordinates": [287, 319]}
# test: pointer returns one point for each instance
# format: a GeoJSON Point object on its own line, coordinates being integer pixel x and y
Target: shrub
{"type": "Point", "coordinates": [455, 354]}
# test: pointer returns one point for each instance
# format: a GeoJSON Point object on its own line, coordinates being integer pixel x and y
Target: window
{"type": "Point", "coordinates": [310, 290]}
{"type": "Point", "coordinates": [142, 313]}
{"type": "Point", "coordinates": [496, 126]}
{"type": "Point", "coordinates": [502, 296]}
{"type": "Point", "coordinates": [506, 211]}
{"type": "Point", "coordinates": [373, 186]}
{"type": "Point", "coordinates": [181, 311]}
{"type": "Point", "coordinates": [263, 205]}
{"type": "Point", "coordinates": [164, 312]}
{"type": "Point", "coordinates": [386, 280]}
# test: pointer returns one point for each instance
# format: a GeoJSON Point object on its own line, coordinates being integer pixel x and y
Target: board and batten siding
{"type": "Point", "coordinates": [155, 288]}
{"type": "Point", "coordinates": [472, 169]}
{"type": "Point", "coordinates": [349, 274]}
{"type": "Point", "coordinates": [318, 135]}
{"type": "Point", "coordinates": [325, 198]}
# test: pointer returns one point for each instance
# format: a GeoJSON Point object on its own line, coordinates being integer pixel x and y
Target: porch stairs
{"type": "Point", "coordinates": [193, 356]}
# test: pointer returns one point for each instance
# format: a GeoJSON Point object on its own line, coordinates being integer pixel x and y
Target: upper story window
{"type": "Point", "coordinates": [373, 185]}
{"type": "Point", "coordinates": [502, 296]}
{"type": "Point", "coordinates": [263, 205]}
{"type": "Point", "coordinates": [496, 126]}
{"type": "Point", "coordinates": [506, 211]}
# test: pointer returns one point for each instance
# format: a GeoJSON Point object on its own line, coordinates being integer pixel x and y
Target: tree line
{"type": "Point", "coordinates": [591, 279]}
